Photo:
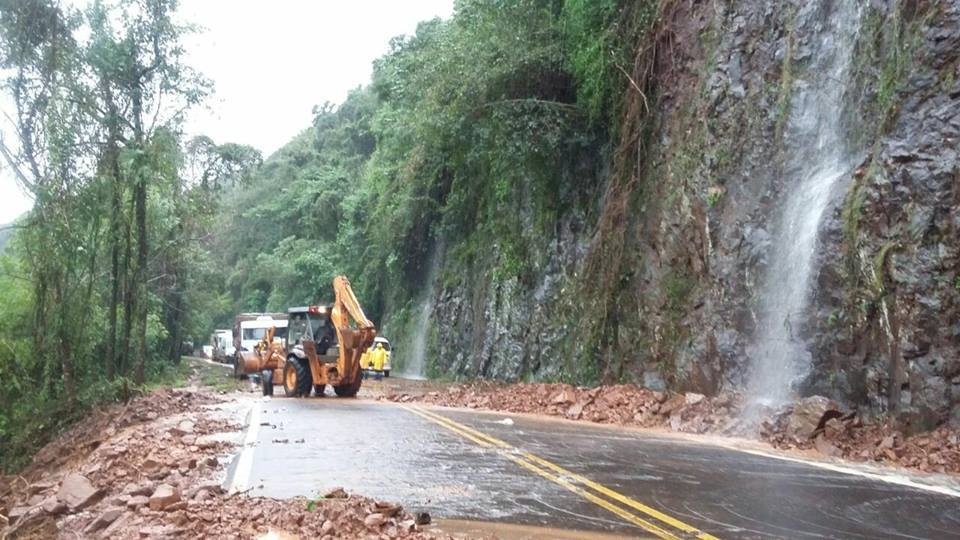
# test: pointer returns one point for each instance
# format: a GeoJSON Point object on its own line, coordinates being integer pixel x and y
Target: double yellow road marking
{"type": "Point", "coordinates": [637, 513]}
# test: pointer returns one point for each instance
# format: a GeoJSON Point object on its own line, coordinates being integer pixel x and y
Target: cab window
{"type": "Point", "coordinates": [297, 329]}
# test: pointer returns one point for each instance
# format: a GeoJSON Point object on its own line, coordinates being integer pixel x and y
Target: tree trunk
{"type": "Point", "coordinates": [115, 240]}
{"type": "Point", "coordinates": [128, 300]}
{"type": "Point", "coordinates": [140, 279]}
{"type": "Point", "coordinates": [175, 325]}
{"type": "Point", "coordinates": [64, 345]}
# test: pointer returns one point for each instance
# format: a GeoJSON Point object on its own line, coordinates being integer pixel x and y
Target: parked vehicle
{"type": "Point", "coordinates": [377, 363]}
{"type": "Point", "coordinates": [222, 346]}
{"type": "Point", "coordinates": [249, 329]}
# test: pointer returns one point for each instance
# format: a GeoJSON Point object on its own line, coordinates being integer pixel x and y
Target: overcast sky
{"type": "Point", "coordinates": [272, 61]}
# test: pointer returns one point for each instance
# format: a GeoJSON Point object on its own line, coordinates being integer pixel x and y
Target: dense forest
{"type": "Point", "coordinates": [141, 241]}
{"type": "Point", "coordinates": [575, 190]}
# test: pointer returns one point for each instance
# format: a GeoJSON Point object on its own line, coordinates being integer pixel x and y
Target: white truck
{"type": "Point", "coordinates": [248, 330]}
{"type": "Point", "coordinates": [222, 346]}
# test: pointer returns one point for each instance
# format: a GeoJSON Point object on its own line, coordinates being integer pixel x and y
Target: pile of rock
{"type": "Point", "coordinates": [612, 404]}
{"type": "Point", "coordinates": [815, 422]}
{"type": "Point", "coordinates": [148, 470]}
{"type": "Point", "coordinates": [818, 423]}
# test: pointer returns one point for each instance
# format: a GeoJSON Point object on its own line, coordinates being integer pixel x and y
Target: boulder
{"type": "Point", "coordinates": [672, 404]}
{"type": "Point", "coordinates": [164, 496]}
{"type": "Point", "coordinates": [575, 411]}
{"type": "Point", "coordinates": [77, 492]}
{"type": "Point", "coordinates": [374, 521]}
{"type": "Point", "coordinates": [806, 416]}
{"type": "Point", "coordinates": [825, 447]}
{"type": "Point", "coordinates": [103, 520]}
{"type": "Point", "coordinates": [562, 398]}
{"type": "Point", "coordinates": [53, 506]}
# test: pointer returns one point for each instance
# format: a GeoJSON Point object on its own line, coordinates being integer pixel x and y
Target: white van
{"type": "Point", "coordinates": [251, 332]}
{"type": "Point", "coordinates": [223, 348]}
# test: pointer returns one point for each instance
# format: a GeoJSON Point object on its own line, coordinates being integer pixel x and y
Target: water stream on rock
{"type": "Point", "coordinates": [819, 158]}
{"type": "Point", "coordinates": [413, 367]}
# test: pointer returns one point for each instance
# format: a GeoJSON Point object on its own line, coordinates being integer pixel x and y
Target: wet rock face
{"type": "Point", "coordinates": [506, 329]}
{"type": "Point", "coordinates": [897, 271]}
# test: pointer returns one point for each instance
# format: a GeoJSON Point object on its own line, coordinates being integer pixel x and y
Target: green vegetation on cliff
{"type": "Point", "coordinates": [476, 137]}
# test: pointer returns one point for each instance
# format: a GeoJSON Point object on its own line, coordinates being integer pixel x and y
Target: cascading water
{"type": "Point", "coordinates": [819, 159]}
{"type": "Point", "coordinates": [413, 367]}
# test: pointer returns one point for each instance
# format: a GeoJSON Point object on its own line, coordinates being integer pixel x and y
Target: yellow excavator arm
{"type": "Point", "coordinates": [354, 339]}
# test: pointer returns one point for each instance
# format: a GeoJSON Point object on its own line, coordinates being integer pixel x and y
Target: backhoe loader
{"type": "Point", "coordinates": [323, 346]}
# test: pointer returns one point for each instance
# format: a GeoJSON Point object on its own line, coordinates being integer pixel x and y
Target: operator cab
{"type": "Point", "coordinates": [310, 324]}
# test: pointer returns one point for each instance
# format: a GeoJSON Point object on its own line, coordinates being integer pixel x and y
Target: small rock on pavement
{"type": "Point", "coordinates": [105, 519]}
{"type": "Point", "coordinates": [423, 518]}
{"type": "Point", "coordinates": [77, 492]}
{"type": "Point", "coordinates": [164, 496]}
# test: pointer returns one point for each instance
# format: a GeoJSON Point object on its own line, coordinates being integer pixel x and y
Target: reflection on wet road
{"type": "Point", "coordinates": [460, 464]}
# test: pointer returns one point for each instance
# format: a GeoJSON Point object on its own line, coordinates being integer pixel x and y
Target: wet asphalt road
{"type": "Point", "coordinates": [392, 452]}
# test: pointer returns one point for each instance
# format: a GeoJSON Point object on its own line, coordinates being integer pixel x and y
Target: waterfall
{"type": "Point", "coordinates": [818, 160]}
{"type": "Point", "coordinates": [413, 366]}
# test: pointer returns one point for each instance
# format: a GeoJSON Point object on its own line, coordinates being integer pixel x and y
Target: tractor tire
{"type": "Point", "coordinates": [296, 378]}
{"type": "Point", "coordinates": [266, 382]}
{"type": "Point", "coordinates": [386, 373]}
{"type": "Point", "coordinates": [348, 390]}
{"type": "Point", "coordinates": [319, 389]}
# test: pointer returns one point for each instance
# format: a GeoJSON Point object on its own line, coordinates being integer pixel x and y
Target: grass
{"type": "Point", "coordinates": [196, 371]}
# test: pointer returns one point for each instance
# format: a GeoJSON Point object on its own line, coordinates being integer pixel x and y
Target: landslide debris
{"type": "Point", "coordinates": [815, 423]}
{"type": "Point", "coordinates": [615, 404]}
{"type": "Point", "coordinates": [152, 469]}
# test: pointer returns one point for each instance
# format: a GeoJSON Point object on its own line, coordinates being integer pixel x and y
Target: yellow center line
{"type": "Point", "coordinates": [630, 518]}
{"type": "Point", "coordinates": [619, 497]}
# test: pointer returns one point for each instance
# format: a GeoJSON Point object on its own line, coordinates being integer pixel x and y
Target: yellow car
{"type": "Point", "coordinates": [376, 359]}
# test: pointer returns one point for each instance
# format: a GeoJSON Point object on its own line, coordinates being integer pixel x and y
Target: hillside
{"type": "Point", "coordinates": [679, 195]}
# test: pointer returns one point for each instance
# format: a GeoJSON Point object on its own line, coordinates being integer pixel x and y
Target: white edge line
{"type": "Point", "coordinates": [241, 477]}
{"type": "Point", "coordinates": [888, 478]}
